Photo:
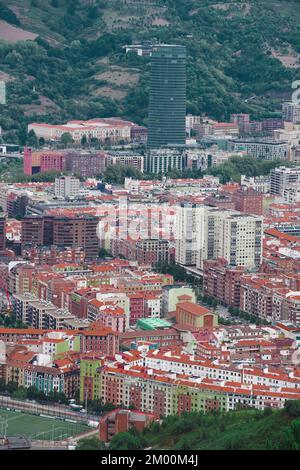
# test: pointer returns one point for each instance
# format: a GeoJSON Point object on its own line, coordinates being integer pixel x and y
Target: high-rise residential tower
{"type": "Point", "coordinates": [232, 235]}
{"type": "Point", "coordinates": [167, 105]}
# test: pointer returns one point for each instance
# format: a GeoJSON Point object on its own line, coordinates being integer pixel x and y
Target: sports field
{"type": "Point", "coordinates": [37, 427]}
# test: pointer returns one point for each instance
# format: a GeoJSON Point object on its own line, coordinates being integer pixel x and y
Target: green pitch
{"type": "Point", "coordinates": [37, 427]}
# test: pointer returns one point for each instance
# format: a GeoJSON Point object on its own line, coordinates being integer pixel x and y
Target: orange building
{"type": "Point", "coordinates": [195, 316]}
{"type": "Point", "coordinates": [121, 421]}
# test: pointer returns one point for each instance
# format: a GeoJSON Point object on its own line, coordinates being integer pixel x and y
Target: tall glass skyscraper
{"type": "Point", "coordinates": [167, 105]}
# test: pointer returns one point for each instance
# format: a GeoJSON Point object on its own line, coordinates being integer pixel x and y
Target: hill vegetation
{"type": "Point", "coordinates": [234, 430]}
{"type": "Point", "coordinates": [241, 57]}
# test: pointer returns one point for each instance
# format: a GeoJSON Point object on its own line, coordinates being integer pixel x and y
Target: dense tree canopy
{"type": "Point", "coordinates": [233, 54]}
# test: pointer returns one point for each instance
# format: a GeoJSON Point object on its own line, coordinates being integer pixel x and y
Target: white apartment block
{"type": "Point", "coordinates": [164, 159]}
{"type": "Point", "coordinates": [282, 178]}
{"type": "Point", "coordinates": [228, 234]}
{"type": "Point", "coordinates": [66, 187]}
{"type": "Point", "coordinates": [265, 150]}
{"type": "Point", "coordinates": [187, 226]}
{"type": "Point", "coordinates": [291, 194]}
{"type": "Point", "coordinates": [261, 184]}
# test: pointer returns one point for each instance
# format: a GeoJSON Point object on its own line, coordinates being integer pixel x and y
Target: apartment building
{"type": "Point", "coordinates": [43, 160]}
{"type": "Point", "coordinates": [262, 149]}
{"type": "Point", "coordinates": [231, 235]}
{"type": "Point", "coordinates": [78, 231]}
{"type": "Point", "coordinates": [66, 187]}
{"type": "Point", "coordinates": [282, 178]}
{"type": "Point", "coordinates": [189, 218]}
{"type": "Point", "coordinates": [248, 201]}
{"type": "Point", "coordinates": [32, 230]}
{"type": "Point", "coordinates": [101, 339]}
{"type": "Point", "coordinates": [222, 282]}
{"type": "Point", "coordinates": [273, 298]}
{"type": "Point", "coordinates": [260, 184]}
{"type": "Point", "coordinates": [291, 112]}
{"type": "Point", "coordinates": [90, 364]}
{"type": "Point", "coordinates": [125, 159]}
{"type": "Point", "coordinates": [152, 251]}
{"type": "Point", "coordinates": [171, 394]}
{"type": "Point", "coordinates": [110, 315]}
{"type": "Point", "coordinates": [2, 232]}
{"type": "Point", "coordinates": [85, 163]}
{"type": "Point", "coordinates": [39, 313]}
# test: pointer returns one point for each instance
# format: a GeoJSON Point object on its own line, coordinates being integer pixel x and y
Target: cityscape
{"type": "Point", "coordinates": [149, 254]}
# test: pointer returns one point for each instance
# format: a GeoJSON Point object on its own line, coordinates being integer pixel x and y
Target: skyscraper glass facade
{"type": "Point", "coordinates": [167, 105]}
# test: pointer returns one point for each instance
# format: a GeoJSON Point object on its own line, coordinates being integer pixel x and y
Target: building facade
{"type": "Point", "coordinates": [167, 105]}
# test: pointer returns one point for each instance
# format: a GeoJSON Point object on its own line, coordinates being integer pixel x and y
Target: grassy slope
{"type": "Point", "coordinates": [234, 430]}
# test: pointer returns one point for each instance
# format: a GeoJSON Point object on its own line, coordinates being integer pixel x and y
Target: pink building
{"type": "Point", "coordinates": [27, 161]}
{"type": "Point", "coordinates": [109, 315]}
{"type": "Point", "coordinates": [40, 161]}
{"type": "Point", "coordinates": [137, 307]}
{"type": "Point", "coordinates": [52, 161]}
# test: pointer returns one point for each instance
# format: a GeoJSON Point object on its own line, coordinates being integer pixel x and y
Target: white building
{"type": "Point", "coordinates": [291, 194]}
{"type": "Point", "coordinates": [164, 159]}
{"type": "Point", "coordinates": [104, 130]}
{"type": "Point", "coordinates": [265, 150]}
{"type": "Point", "coordinates": [187, 226]}
{"type": "Point", "coordinates": [67, 187]}
{"type": "Point", "coordinates": [260, 184]}
{"type": "Point", "coordinates": [283, 177]}
{"type": "Point", "coordinates": [232, 235]}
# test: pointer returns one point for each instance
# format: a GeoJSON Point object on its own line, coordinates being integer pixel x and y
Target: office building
{"type": "Point", "coordinates": [43, 160]}
{"type": "Point", "coordinates": [167, 105]}
{"type": "Point", "coordinates": [164, 159]}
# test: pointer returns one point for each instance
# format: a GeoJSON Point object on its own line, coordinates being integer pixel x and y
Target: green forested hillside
{"type": "Point", "coordinates": [76, 67]}
{"type": "Point", "coordinates": [245, 429]}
